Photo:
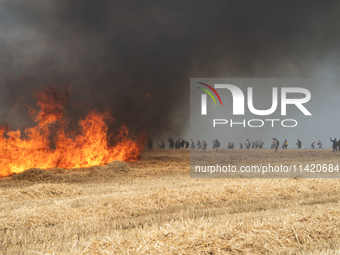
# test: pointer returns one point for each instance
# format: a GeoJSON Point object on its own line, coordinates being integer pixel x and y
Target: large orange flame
{"type": "Point", "coordinates": [88, 147]}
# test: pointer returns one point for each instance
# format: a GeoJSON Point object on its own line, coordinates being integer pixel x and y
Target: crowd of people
{"type": "Point", "coordinates": [258, 144]}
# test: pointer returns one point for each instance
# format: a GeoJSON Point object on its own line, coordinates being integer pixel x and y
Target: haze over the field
{"type": "Point", "coordinates": [114, 53]}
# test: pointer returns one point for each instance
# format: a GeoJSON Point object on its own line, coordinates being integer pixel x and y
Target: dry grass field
{"type": "Point", "coordinates": [152, 206]}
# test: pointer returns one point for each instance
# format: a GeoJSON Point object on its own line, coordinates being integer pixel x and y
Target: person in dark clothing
{"type": "Point", "coordinates": [276, 144]}
{"type": "Point", "coordinates": [339, 145]}
{"type": "Point", "coordinates": [182, 142]}
{"type": "Point", "coordinates": [204, 146]}
{"type": "Point", "coordinates": [198, 144]}
{"type": "Point", "coordinates": [241, 146]}
{"type": "Point", "coordinates": [248, 144]}
{"type": "Point", "coordinates": [171, 143]}
{"type": "Point", "coordinates": [335, 144]}
{"type": "Point", "coordinates": [299, 144]}
{"type": "Point", "coordinates": [313, 145]}
{"type": "Point", "coordinates": [177, 144]}
{"type": "Point", "coordinates": [230, 145]}
{"type": "Point", "coordinates": [150, 144]}
{"type": "Point", "coordinates": [216, 145]}
{"type": "Point", "coordinates": [192, 144]}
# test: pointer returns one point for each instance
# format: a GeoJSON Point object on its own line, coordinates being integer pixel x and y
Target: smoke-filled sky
{"type": "Point", "coordinates": [114, 53]}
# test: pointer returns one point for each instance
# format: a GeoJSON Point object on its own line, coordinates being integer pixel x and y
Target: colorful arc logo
{"type": "Point", "coordinates": [208, 92]}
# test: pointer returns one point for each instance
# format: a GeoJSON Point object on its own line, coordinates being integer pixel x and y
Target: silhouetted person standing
{"type": "Point", "coordinates": [276, 144]}
{"type": "Point", "coordinates": [150, 144]}
{"type": "Point", "coordinates": [204, 146]}
{"type": "Point", "coordinates": [335, 144]}
{"type": "Point", "coordinates": [230, 145]}
{"type": "Point", "coordinates": [182, 143]}
{"type": "Point", "coordinates": [192, 144]}
{"type": "Point", "coordinates": [198, 144]}
{"type": "Point", "coordinates": [247, 144]}
{"type": "Point", "coordinates": [171, 143]}
{"type": "Point", "coordinates": [299, 144]}
{"type": "Point", "coordinates": [216, 145]}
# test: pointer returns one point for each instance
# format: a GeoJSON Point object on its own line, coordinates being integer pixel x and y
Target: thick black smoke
{"type": "Point", "coordinates": [114, 53]}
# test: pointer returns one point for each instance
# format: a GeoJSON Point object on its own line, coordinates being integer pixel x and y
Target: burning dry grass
{"type": "Point", "coordinates": [90, 145]}
{"type": "Point", "coordinates": [152, 206]}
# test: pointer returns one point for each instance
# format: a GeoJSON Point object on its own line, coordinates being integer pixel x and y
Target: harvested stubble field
{"type": "Point", "coordinates": [153, 207]}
